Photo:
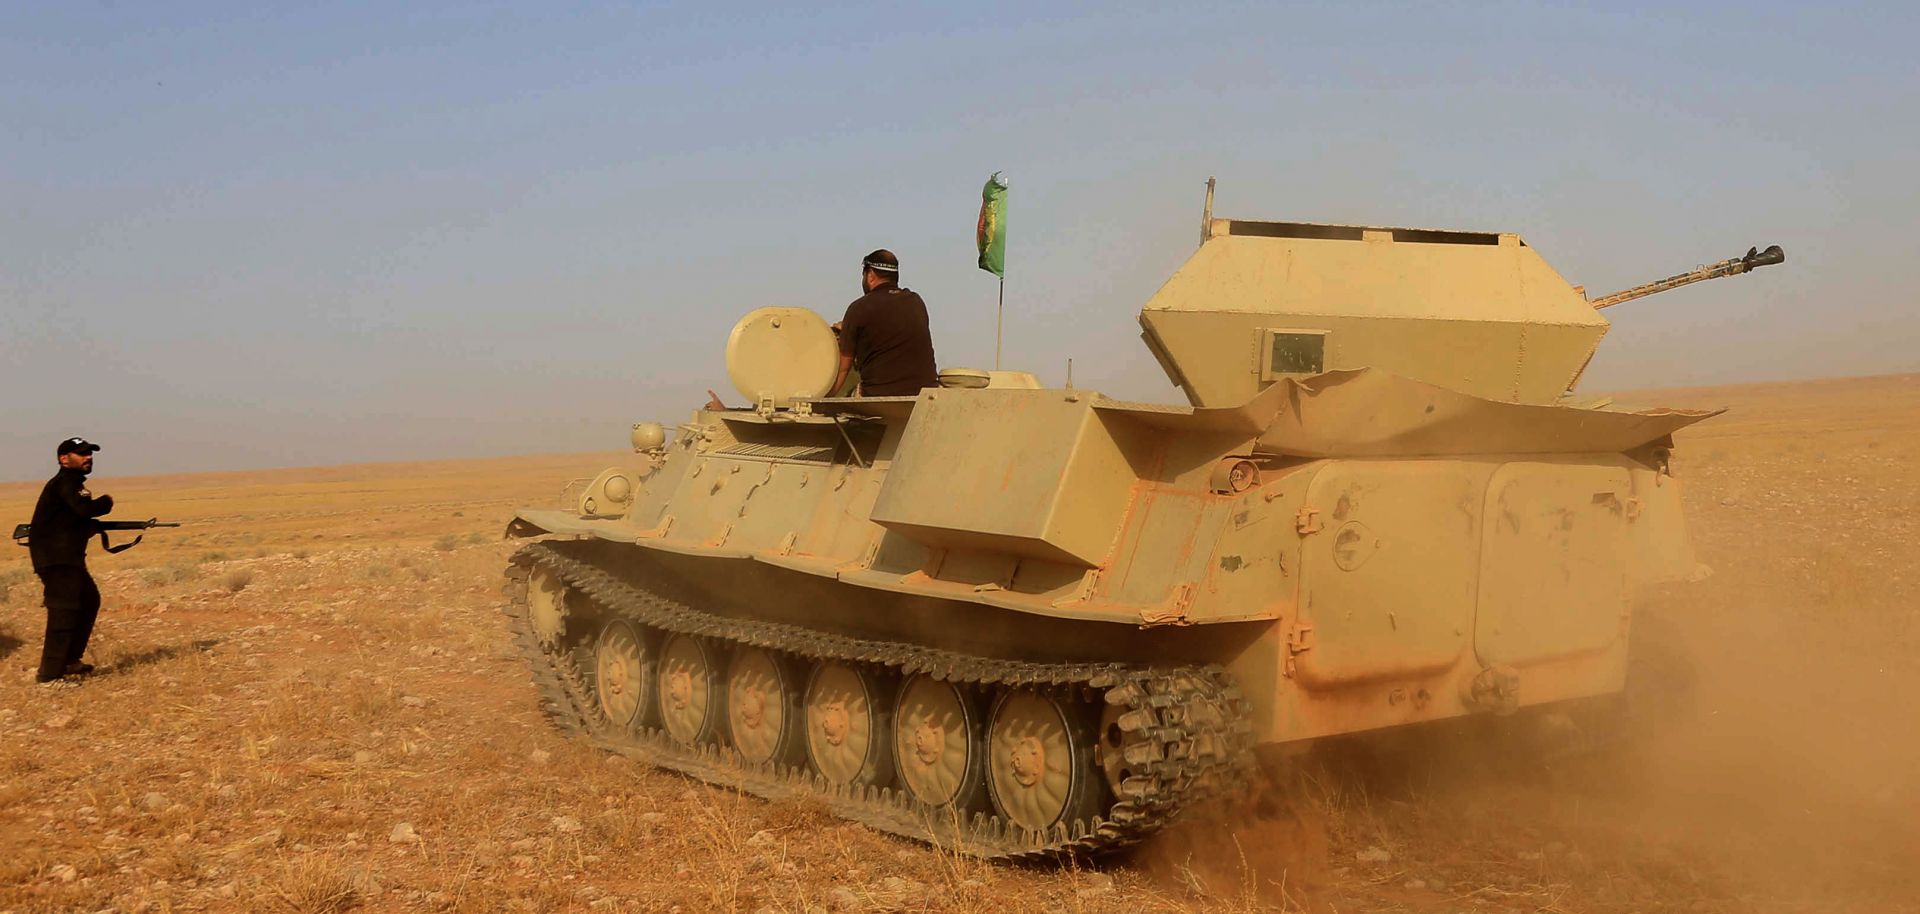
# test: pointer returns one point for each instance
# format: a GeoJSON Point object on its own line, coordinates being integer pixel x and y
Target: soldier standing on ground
{"type": "Point", "coordinates": [885, 334]}
{"type": "Point", "coordinates": [63, 521]}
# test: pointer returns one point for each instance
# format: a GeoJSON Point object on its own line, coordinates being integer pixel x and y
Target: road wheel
{"type": "Point", "coordinates": [763, 707]}
{"type": "Point", "coordinates": [846, 725]}
{"type": "Point", "coordinates": [622, 673]}
{"type": "Point", "coordinates": [939, 745]}
{"type": "Point", "coordinates": [1040, 760]}
{"type": "Point", "coordinates": [691, 690]}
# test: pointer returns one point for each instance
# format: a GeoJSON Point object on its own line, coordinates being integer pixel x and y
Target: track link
{"type": "Point", "coordinates": [1185, 729]}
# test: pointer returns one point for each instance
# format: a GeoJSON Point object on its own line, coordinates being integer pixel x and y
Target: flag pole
{"type": "Point", "coordinates": [999, 322]}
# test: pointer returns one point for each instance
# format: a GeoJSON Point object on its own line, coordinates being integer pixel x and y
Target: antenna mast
{"type": "Point", "coordinates": [1206, 214]}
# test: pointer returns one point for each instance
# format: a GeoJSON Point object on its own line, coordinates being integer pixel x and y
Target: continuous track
{"type": "Point", "coordinates": [1185, 730]}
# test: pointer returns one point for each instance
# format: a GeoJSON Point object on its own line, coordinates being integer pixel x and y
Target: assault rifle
{"type": "Point", "coordinates": [23, 532]}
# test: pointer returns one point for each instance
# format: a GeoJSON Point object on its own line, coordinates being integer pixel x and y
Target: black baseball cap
{"type": "Point", "coordinates": [76, 446]}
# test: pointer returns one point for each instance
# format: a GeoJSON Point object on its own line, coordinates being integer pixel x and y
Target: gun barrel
{"type": "Point", "coordinates": [1733, 266]}
{"type": "Point", "coordinates": [147, 524]}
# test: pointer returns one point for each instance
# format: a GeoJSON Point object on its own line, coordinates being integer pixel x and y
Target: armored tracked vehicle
{"type": "Point", "coordinates": [1023, 621]}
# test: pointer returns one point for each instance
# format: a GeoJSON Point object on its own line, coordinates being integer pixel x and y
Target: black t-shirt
{"type": "Point", "coordinates": [886, 333]}
{"type": "Point", "coordinates": [63, 520]}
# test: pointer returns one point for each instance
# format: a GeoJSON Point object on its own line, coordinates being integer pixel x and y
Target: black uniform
{"type": "Point", "coordinates": [886, 333]}
{"type": "Point", "coordinates": [62, 524]}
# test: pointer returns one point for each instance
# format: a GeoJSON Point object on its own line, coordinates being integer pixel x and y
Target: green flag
{"type": "Point", "coordinates": [991, 232]}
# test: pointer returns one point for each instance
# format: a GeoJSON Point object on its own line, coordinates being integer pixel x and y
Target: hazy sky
{"type": "Point", "coordinates": [238, 236]}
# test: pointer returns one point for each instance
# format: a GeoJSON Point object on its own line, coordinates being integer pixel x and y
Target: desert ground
{"type": "Point", "coordinates": [307, 702]}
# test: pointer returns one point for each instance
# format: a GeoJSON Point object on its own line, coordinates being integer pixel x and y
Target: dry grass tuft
{"type": "Point", "coordinates": [12, 578]}
{"type": "Point", "coordinates": [177, 572]}
{"type": "Point", "coordinates": [315, 885]}
{"type": "Point", "coordinates": [237, 580]}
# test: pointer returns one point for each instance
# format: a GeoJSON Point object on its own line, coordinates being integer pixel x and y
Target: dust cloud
{"type": "Point", "coordinates": [1746, 774]}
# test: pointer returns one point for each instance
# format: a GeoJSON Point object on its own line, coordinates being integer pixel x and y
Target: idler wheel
{"type": "Point", "coordinates": [691, 691]}
{"type": "Point", "coordinates": [547, 606]}
{"type": "Point", "coordinates": [938, 744]}
{"type": "Point", "coordinates": [763, 707]}
{"type": "Point", "coordinates": [1040, 761]}
{"type": "Point", "coordinates": [622, 673]}
{"type": "Point", "coordinates": [846, 725]}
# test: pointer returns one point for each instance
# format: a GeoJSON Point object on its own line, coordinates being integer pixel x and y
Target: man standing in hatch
{"type": "Point", "coordinates": [885, 334]}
